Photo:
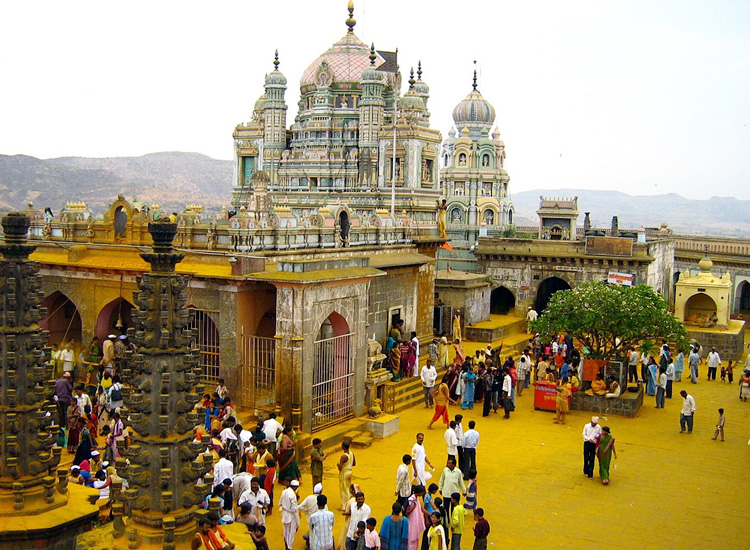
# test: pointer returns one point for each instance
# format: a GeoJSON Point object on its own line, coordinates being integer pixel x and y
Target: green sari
{"type": "Point", "coordinates": [604, 453]}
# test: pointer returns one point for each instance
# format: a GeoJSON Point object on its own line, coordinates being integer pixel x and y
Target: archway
{"type": "Point", "coordinates": [121, 221]}
{"type": "Point", "coordinates": [546, 289]}
{"type": "Point", "coordinates": [743, 290]}
{"type": "Point", "coordinates": [117, 310]}
{"type": "Point", "coordinates": [502, 301]}
{"type": "Point", "coordinates": [207, 342]}
{"type": "Point", "coordinates": [344, 225]}
{"type": "Point", "coordinates": [332, 395]}
{"type": "Point", "coordinates": [62, 320]}
{"type": "Point", "coordinates": [698, 308]}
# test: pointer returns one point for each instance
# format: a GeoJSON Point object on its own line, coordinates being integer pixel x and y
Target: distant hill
{"type": "Point", "coordinates": [721, 216]}
{"type": "Point", "coordinates": [175, 180]}
{"type": "Point", "coordinates": [172, 180]}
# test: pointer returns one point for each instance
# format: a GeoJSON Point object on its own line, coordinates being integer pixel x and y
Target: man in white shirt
{"type": "Point", "coordinates": [321, 526]}
{"type": "Point", "coordinates": [670, 378]}
{"type": "Point", "coordinates": [68, 358]}
{"type": "Point", "coordinates": [257, 498]}
{"type": "Point", "coordinates": [714, 360]}
{"type": "Point", "coordinates": [403, 481]}
{"type": "Point", "coordinates": [271, 428]}
{"type": "Point", "coordinates": [591, 434]}
{"type": "Point", "coordinates": [471, 441]}
{"type": "Point", "coordinates": [429, 377]}
{"type": "Point", "coordinates": [83, 399]}
{"type": "Point", "coordinates": [460, 436]}
{"type": "Point", "coordinates": [419, 461]}
{"type": "Point", "coordinates": [415, 347]}
{"type": "Point", "coordinates": [451, 440]}
{"type": "Point", "coordinates": [661, 388]}
{"type": "Point", "coordinates": [223, 469]}
{"type": "Point", "coordinates": [531, 315]}
{"type": "Point", "coordinates": [289, 511]}
{"type": "Point", "coordinates": [521, 370]}
{"type": "Point", "coordinates": [687, 412]}
{"type": "Point", "coordinates": [359, 512]}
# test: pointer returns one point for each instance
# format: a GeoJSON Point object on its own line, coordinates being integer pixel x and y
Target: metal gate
{"type": "Point", "coordinates": [332, 395]}
{"type": "Point", "coordinates": [258, 372]}
{"type": "Point", "coordinates": [207, 342]}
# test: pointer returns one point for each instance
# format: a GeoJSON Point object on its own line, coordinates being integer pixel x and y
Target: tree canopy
{"type": "Point", "coordinates": [608, 319]}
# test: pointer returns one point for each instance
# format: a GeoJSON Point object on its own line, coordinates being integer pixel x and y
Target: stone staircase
{"type": "Point", "coordinates": [498, 327]}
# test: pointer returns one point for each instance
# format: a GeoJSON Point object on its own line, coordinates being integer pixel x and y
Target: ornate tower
{"type": "Point", "coordinates": [274, 138]}
{"type": "Point", "coordinates": [371, 109]}
{"type": "Point", "coordinates": [27, 459]}
{"type": "Point", "coordinates": [165, 464]}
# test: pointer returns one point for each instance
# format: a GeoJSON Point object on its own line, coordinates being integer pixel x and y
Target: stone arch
{"type": "Point", "coordinates": [510, 216]}
{"type": "Point", "coordinates": [489, 215]}
{"type": "Point", "coordinates": [107, 319]}
{"type": "Point", "coordinates": [502, 301]}
{"type": "Point", "coordinates": [700, 304]}
{"type": "Point", "coordinates": [333, 376]}
{"type": "Point", "coordinates": [63, 320]}
{"type": "Point", "coordinates": [456, 213]}
{"type": "Point", "coordinates": [546, 289]}
{"type": "Point", "coordinates": [742, 293]}
{"type": "Point", "coordinates": [267, 324]}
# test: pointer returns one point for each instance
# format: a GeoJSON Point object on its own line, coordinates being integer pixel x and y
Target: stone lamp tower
{"type": "Point", "coordinates": [165, 465]}
{"type": "Point", "coordinates": [29, 489]}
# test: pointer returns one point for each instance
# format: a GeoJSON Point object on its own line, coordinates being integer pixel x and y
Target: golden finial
{"type": "Point", "coordinates": [411, 79]}
{"type": "Point", "coordinates": [474, 85]}
{"type": "Point", "coordinates": [419, 70]}
{"type": "Point", "coordinates": [373, 57]}
{"type": "Point", "coordinates": [276, 60]}
{"type": "Point", "coordinates": [350, 22]}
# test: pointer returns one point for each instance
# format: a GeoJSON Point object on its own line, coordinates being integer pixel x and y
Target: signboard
{"type": "Point", "coordinates": [609, 246]}
{"type": "Point", "coordinates": [624, 279]}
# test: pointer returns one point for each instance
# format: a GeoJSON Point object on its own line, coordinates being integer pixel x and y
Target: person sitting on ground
{"type": "Point", "coordinates": [598, 386]}
{"type": "Point", "coordinates": [614, 388]}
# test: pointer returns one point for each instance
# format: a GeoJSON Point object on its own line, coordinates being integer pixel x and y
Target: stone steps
{"type": "Point", "coordinates": [363, 440]}
{"type": "Point", "coordinates": [489, 331]}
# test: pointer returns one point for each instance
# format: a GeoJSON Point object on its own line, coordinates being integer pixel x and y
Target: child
{"type": "Point", "coordinates": [269, 481]}
{"type": "Point", "coordinates": [359, 536]}
{"type": "Point", "coordinates": [471, 491]}
{"type": "Point", "coordinates": [429, 498]}
{"type": "Point", "coordinates": [444, 519]}
{"type": "Point", "coordinates": [720, 426]}
{"type": "Point", "coordinates": [372, 539]}
{"type": "Point", "coordinates": [481, 530]}
{"type": "Point", "coordinates": [723, 374]}
{"type": "Point", "coordinates": [259, 537]}
{"type": "Point", "coordinates": [730, 372]}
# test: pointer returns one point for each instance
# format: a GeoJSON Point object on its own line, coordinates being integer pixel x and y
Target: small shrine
{"type": "Point", "coordinates": [703, 299]}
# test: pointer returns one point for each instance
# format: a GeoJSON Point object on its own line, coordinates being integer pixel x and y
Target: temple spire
{"type": "Point", "coordinates": [373, 57]}
{"type": "Point", "coordinates": [474, 84]}
{"type": "Point", "coordinates": [419, 70]}
{"type": "Point", "coordinates": [411, 79]}
{"type": "Point", "coordinates": [350, 22]}
{"type": "Point", "coordinates": [276, 60]}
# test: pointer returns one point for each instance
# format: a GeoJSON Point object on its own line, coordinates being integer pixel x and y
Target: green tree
{"type": "Point", "coordinates": [608, 319]}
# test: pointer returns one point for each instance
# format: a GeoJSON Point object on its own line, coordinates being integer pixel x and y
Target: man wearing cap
{"type": "Point", "coordinates": [63, 397]}
{"type": "Point", "coordinates": [108, 351]}
{"type": "Point", "coordinates": [310, 505]}
{"type": "Point", "coordinates": [289, 511]}
{"type": "Point", "coordinates": [591, 434]}
{"type": "Point", "coordinates": [75, 475]}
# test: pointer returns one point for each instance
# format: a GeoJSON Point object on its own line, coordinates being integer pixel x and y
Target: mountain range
{"type": "Point", "coordinates": [175, 179]}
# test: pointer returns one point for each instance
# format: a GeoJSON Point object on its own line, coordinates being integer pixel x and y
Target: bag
{"type": "Point", "coordinates": [115, 394]}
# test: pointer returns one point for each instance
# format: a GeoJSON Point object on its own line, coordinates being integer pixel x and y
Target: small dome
{"type": "Point", "coordinates": [474, 112]}
{"type": "Point", "coordinates": [261, 103]}
{"type": "Point", "coordinates": [275, 78]}
{"type": "Point", "coordinates": [411, 101]}
{"type": "Point", "coordinates": [706, 264]}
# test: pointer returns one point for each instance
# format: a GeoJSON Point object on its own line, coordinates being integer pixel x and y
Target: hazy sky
{"type": "Point", "coordinates": [641, 96]}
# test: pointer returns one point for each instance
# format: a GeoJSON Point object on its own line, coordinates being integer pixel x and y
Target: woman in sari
{"type": "Point", "coordinates": [442, 353]}
{"type": "Point", "coordinates": [478, 387]}
{"type": "Point", "coordinates": [287, 453]}
{"type": "Point", "coordinates": [562, 405]}
{"type": "Point", "coordinates": [451, 380]}
{"type": "Point", "coordinates": [604, 450]}
{"type": "Point", "coordinates": [679, 366]}
{"type": "Point", "coordinates": [436, 534]}
{"type": "Point", "coordinates": [74, 429]}
{"type": "Point", "coordinates": [598, 386]}
{"type": "Point", "coordinates": [395, 357]}
{"type": "Point", "coordinates": [394, 530]}
{"type": "Point", "coordinates": [407, 358]}
{"type": "Point", "coordinates": [652, 375]}
{"type": "Point", "coordinates": [460, 357]}
{"type": "Point", "coordinates": [86, 443]}
{"type": "Point", "coordinates": [469, 379]}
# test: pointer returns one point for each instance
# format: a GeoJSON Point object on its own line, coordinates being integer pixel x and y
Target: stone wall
{"type": "Point", "coordinates": [628, 404]}
{"type": "Point", "coordinates": [400, 287]}
{"type": "Point", "coordinates": [730, 345]}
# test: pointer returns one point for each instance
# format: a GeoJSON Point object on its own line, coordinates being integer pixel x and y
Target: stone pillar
{"type": "Point", "coordinates": [27, 459]}
{"type": "Point", "coordinates": [164, 462]}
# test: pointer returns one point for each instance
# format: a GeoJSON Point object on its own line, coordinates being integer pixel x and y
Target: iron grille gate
{"type": "Point", "coordinates": [207, 342]}
{"type": "Point", "coordinates": [332, 395]}
{"type": "Point", "coordinates": [258, 372]}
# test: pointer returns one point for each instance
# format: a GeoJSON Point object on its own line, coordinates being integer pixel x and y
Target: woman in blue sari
{"type": "Point", "coordinates": [652, 374]}
{"type": "Point", "coordinates": [394, 531]}
{"type": "Point", "coordinates": [679, 366]}
{"type": "Point", "coordinates": [469, 379]}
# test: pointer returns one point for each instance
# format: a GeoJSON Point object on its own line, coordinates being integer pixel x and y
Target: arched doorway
{"type": "Point", "coordinates": [62, 320]}
{"type": "Point", "coordinates": [332, 395]}
{"type": "Point", "coordinates": [117, 312]}
{"type": "Point", "coordinates": [502, 301]}
{"type": "Point", "coordinates": [546, 289]}
{"type": "Point", "coordinates": [207, 342]}
{"type": "Point", "coordinates": [698, 308]}
{"type": "Point", "coordinates": [344, 226]}
{"type": "Point", "coordinates": [743, 291]}
{"type": "Point", "coordinates": [121, 221]}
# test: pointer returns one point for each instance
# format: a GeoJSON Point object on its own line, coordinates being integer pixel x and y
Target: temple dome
{"type": "Point", "coordinates": [474, 112]}
{"type": "Point", "coordinates": [346, 60]}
